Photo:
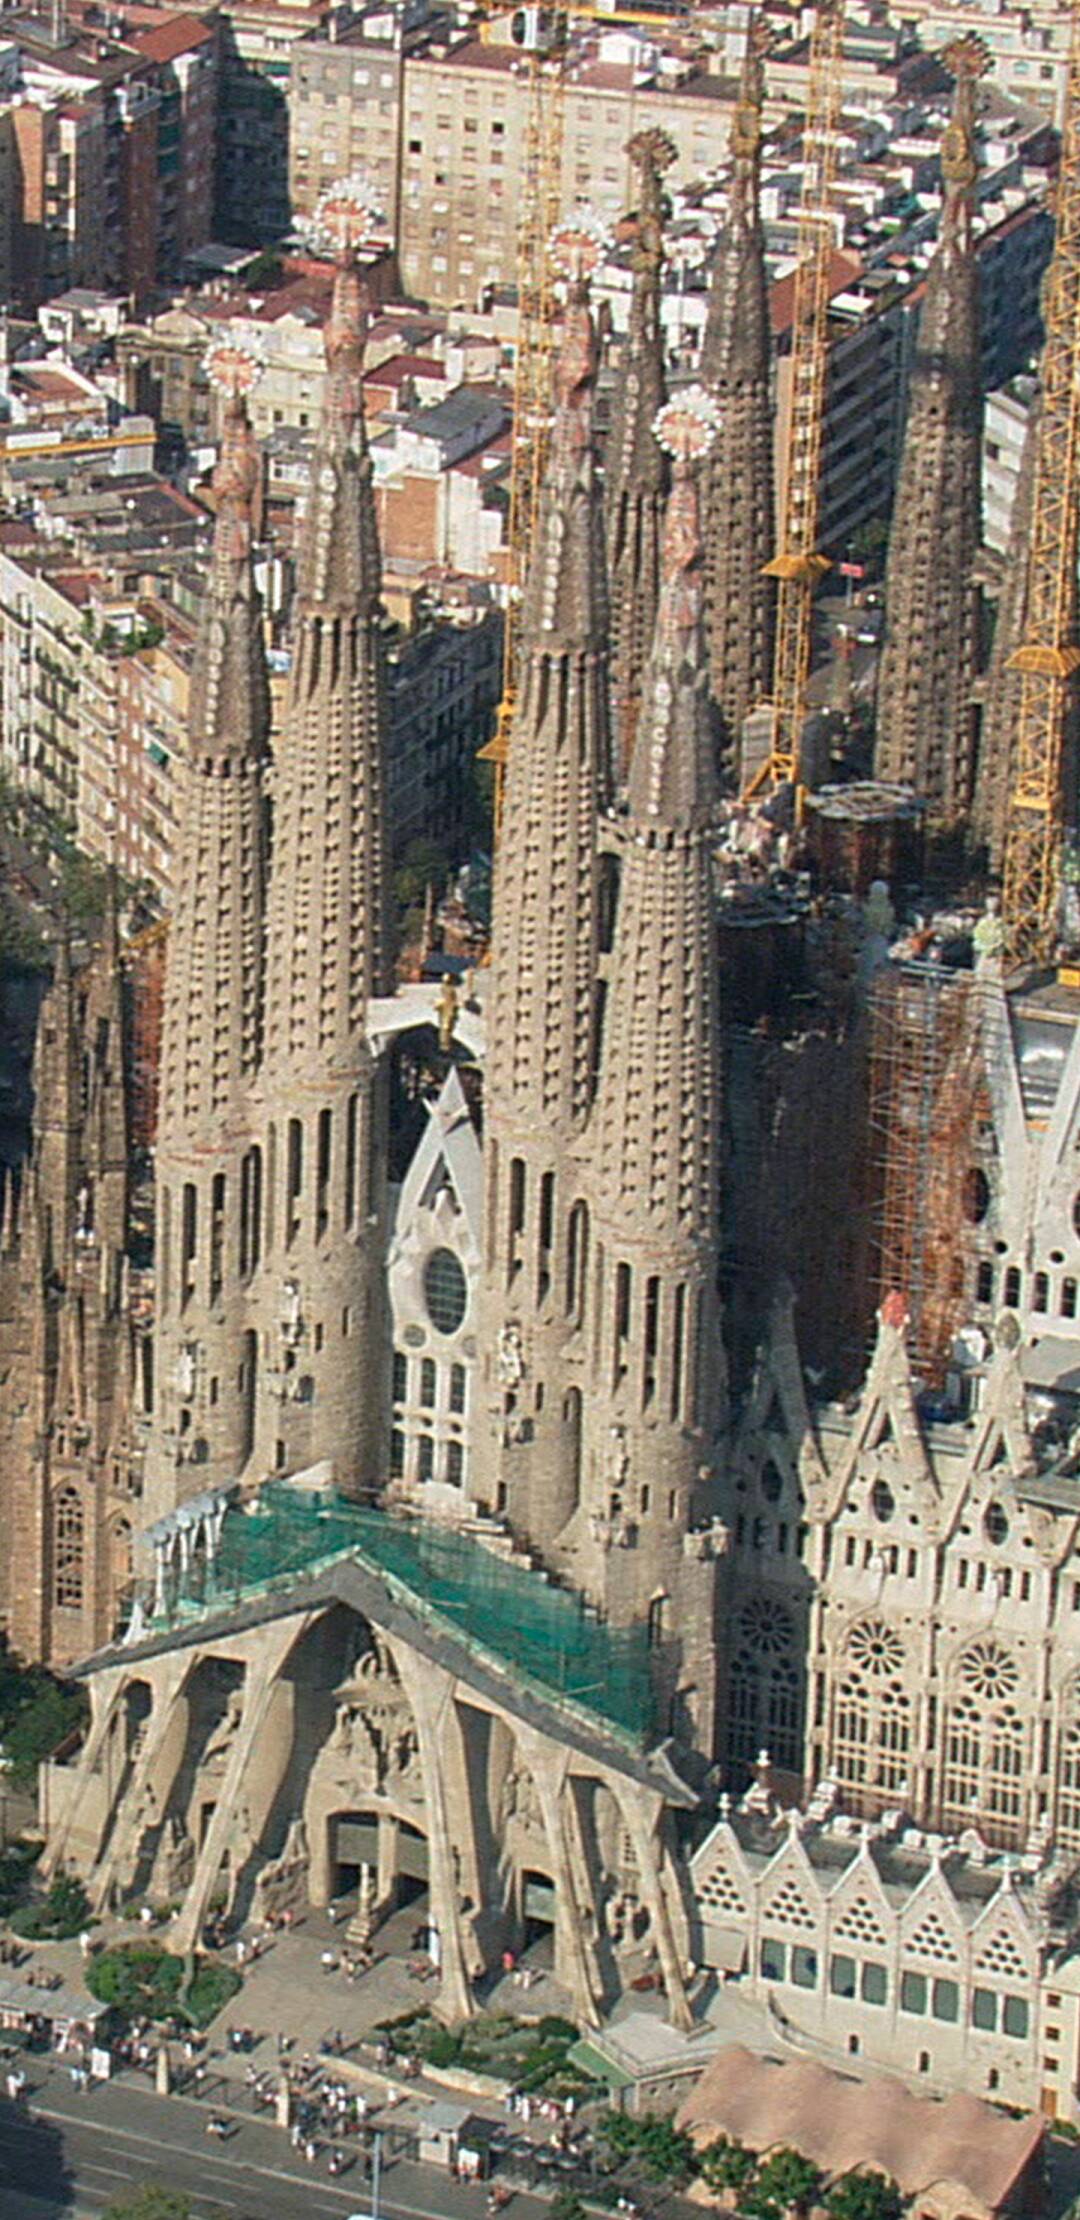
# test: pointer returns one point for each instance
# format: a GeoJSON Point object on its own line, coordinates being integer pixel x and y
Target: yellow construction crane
{"type": "Point", "coordinates": [543, 35]}
{"type": "Point", "coordinates": [1050, 655]}
{"type": "Point", "coordinates": [798, 566]}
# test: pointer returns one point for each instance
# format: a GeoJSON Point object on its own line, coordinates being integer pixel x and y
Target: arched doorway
{"type": "Point", "coordinates": [354, 1844]}
{"type": "Point", "coordinates": [537, 1913]}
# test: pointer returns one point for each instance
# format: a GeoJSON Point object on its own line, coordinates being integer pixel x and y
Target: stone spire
{"type": "Point", "coordinates": [546, 927]}
{"type": "Point", "coordinates": [212, 1025]}
{"type": "Point", "coordinates": [213, 1018]}
{"type": "Point", "coordinates": [1002, 685]}
{"type": "Point", "coordinates": [545, 960]}
{"type": "Point", "coordinates": [655, 1396]}
{"type": "Point", "coordinates": [57, 1123]}
{"type": "Point", "coordinates": [321, 1396]}
{"type": "Point", "coordinates": [326, 945]}
{"type": "Point", "coordinates": [740, 525]}
{"type": "Point", "coordinates": [634, 474]}
{"type": "Point", "coordinates": [925, 733]}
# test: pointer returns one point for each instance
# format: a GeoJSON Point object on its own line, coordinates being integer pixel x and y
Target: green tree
{"type": "Point", "coordinates": [566, 2206]}
{"type": "Point", "coordinates": [149, 2202]}
{"type": "Point", "coordinates": [786, 2182]}
{"type": "Point", "coordinates": [727, 2164]}
{"type": "Point", "coordinates": [864, 2195]}
{"type": "Point", "coordinates": [141, 1978]}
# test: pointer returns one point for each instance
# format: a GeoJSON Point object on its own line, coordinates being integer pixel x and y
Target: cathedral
{"type": "Point", "coordinates": [430, 1533]}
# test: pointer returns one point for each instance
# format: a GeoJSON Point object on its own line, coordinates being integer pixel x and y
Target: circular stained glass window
{"type": "Point", "coordinates": [446, 1292]}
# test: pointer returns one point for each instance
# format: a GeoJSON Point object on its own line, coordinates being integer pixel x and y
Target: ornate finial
{"type": "Point", "coordinates": [578, 245]}
{"type": "Point", "coordinates": [966, 60]}
{"type": "Point", "coordinates": [347, 217]}
{"type": "Point", "coordinates": [233, 367]}
{"type": "Point", "coordinates": [687, 425]}
{"type": "Point", "coordinates": [576, 248]}
{"type": "Point", "coordinates": [894, 1310]}
{"type": "Point", "coordinates": [686, 428]}
{"type": "Point", "coordinates": [652, 151]}
{"type": "Point", "coordinates": [746, 120]}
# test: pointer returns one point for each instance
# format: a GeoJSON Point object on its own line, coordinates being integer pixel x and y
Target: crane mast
{"type": "Point", "coordinates": [798, 566]}
{"type": "Point", "coordinates": [1050, 654]}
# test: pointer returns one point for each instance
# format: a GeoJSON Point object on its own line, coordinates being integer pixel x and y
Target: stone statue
{"type": "Point", "coordinates": [510, 1358]}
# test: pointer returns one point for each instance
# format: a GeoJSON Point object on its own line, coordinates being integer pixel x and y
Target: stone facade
{"type": "Point", "coordinates": [264, 1764]}
{"type": "Point", "coordinates": [72, 1382]}
{"type": "Point", "coordinates": [932, 1955]}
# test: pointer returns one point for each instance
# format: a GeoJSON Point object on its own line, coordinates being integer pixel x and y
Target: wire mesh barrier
{"type": "Point", "coordinates": [517, 1617]}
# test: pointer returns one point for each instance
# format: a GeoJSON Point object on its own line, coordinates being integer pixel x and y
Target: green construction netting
{"type": "Point", "coordinates": [516, 1616]}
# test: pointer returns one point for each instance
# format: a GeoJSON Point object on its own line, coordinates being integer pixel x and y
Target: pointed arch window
{"type": "Point", "coordinates": [766, 1698]}
{"type": "Point", "coordinates": [871, 1742]}
{"type": "Point", "coordinates": [986, 1744]}
{"type": "Point", "coordinates": [1067, 1827]}
{"type": "Point", "coordinates": [68, 1544]}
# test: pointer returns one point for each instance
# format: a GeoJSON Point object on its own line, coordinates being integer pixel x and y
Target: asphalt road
{"type": "Point", "coordinates": [68, 2155]}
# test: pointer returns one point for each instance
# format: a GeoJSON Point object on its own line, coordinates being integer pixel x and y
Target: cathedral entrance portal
{"type": "Point", "coordinates": [537, 1908]}
{"type": "Point", "coordinates": [394, 1851]}
{"type": "Point", "coordinates": [354, 1843]}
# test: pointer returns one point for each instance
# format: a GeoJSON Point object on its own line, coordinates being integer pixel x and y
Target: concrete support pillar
{"type": "Point", "coordinates": [430, 1692]}
{"type": "Point", "coordinates": [643, 1813]}
{"type": "Point", "coordinates": [154, 1772]}
{"type": "Point", "coordinates": [388, 1856]}
{"type": "Point", "coordinates": [275, 1643]}
{"type": "Point", "coordinates": [107, 1699]}
{"type": "Point", "coordinates": [573, 1963]}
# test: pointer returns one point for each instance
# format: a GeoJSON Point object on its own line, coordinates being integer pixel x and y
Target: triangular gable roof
{"type": "Point", "coordinates": [450, 1140]}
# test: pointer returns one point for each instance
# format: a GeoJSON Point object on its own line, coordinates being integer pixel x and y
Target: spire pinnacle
{"type": "Point", "coordinates": [634, 472]}
{"type": "Point", "coordinates": [672, 779]}
{"type": "Point", "coordinates": [565, 602]}
{"type": "Point", "coordinates": [338, 562]}
{"type": "Point", "coordinates": [746, 121]}
{"type": "Point", "coordinates": [966, 60]}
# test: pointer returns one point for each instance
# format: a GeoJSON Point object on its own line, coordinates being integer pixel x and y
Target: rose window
{"type": "Point", "coordinates": [989, 1671]}
{"type": "Point", "coordinates": [766, 1628]}
{"type": "Point", "coordinates": [875, 1649]}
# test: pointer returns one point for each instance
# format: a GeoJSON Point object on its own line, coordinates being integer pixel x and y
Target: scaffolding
{"type": "Point", "coordinates": [514, 1617]}
{"type": "Point", "coordinates": [928, 1096]}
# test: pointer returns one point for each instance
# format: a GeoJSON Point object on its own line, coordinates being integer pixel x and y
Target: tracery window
{"type": "Point", "coordinates": [68, 1550]}
{"type": "Point", "coordinates": [1067, 1824]}
{"type": "Point", "coordinates": [765, 1709]}
{"type": "Point", "coordinates": [986, 1744]}
{"type": "Point", "coordinates": [872, 1719]}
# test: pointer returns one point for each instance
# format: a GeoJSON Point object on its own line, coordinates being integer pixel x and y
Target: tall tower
{"type": "Point", "coordinates": [740, 526]}
{"type": "Point", "coordinates": [318, 1284]}
{"type": "Point", "coordinates": [212, 1026]}
{"type": "Point", "coordinates": [655, 1395]}
{"type": "Point", "coordinates": [925, 733]}
{"type": "Point", "coordinates": [634, 475]}
{"type": "Point", "coordinates": [547, 938]}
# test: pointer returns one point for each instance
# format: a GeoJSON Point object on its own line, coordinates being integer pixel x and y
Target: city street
{"type": "Point", "coordinates": [68, 2155]}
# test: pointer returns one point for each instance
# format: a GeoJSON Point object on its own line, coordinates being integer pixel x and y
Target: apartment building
{"type": "Point", "coordinates": [110, 131]}
{"type": "Point", "coordinates": [257, 39]}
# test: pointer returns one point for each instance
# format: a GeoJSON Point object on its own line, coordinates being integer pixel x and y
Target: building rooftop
{"type": "Point", "coordinates": [516, 1616]}
{"type": "Point", "coordinates": [842, 2124]}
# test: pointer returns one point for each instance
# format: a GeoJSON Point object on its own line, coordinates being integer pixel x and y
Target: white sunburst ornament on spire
{"type": "Point", "coordinates": [347, 216]}
{"type": "Point", "coordinates": [578, 245]}
{"type": "Point", "coordinates": [687, 425]}
{"type": "Point", "coordinates": [234, 366]}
